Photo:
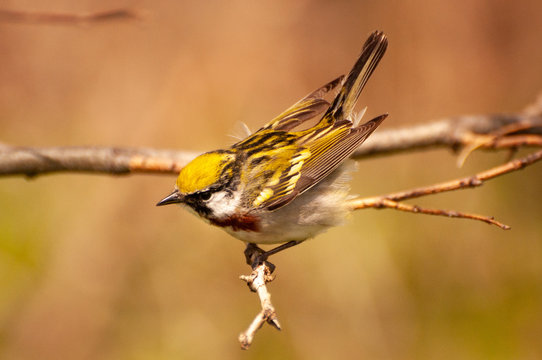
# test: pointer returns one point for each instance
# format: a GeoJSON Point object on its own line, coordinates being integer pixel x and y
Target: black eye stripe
{"type": "Point", "coordinates": [198, 202]}
{"type": "Point", "coordinates": [201, 195]}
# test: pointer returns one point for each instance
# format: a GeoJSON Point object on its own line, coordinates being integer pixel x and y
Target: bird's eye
{"type": "Point", "coordinates": [205, 195]}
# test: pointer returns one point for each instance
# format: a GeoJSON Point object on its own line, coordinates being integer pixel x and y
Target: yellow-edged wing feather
{"type": "Point", "coordinates": [325, 146]}
{"type": "Point", "coordinates": [271, 173]}
{"type": "Point", "coordinates": [305, 109]}
{"type": "Point", "coordinates": [326, 154]}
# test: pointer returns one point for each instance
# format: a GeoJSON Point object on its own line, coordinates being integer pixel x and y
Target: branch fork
{"type": "Point", "coordinates": [256, 281]}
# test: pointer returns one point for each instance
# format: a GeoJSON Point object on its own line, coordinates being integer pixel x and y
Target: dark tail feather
{"type": "Point", "coordinates": [343, 104]}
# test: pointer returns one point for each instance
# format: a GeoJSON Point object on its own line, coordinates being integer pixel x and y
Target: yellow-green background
{"type": "Point", "coordinates": [91, 269]}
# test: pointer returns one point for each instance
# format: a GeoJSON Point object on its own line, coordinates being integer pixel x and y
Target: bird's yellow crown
{"type": "Point", "coordinates": [203, 171]}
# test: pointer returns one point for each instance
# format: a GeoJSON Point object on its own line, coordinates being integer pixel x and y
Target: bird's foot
{"type": "Point", "coordinates": [256, 256]}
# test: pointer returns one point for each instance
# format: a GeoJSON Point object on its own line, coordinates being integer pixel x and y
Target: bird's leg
{"type": "Point", "coordinates": [256, 255]}
{"type": "Point", "coordinates": [252, 253]}
{"type": "Point", "coordinates": [279, 248]}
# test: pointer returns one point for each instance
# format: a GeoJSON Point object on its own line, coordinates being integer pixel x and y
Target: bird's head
{"type": "Point", "coordinates": [205, 184]}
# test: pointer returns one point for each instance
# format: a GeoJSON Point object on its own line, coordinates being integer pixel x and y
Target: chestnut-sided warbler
{"type": "Point", "coordinates": [285, 186]}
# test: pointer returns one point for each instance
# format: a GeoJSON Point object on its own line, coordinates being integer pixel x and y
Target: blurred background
{"type": "Point", "coordinates": [91, 269]}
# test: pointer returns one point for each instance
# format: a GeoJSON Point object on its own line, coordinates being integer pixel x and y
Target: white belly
{"type": "Point", "coordinates": [309, 214]}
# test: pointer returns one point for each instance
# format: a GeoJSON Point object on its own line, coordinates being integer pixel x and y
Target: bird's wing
{"type": "Point", "coordinates": [317, 160]}
{"type": "Point", "coordinates": [297, 161]}
{"type": "Point", "coordinates": [305, 109]}
{"type": "Point", "coordinates": [334, 138]}
{"type": "Point", "coordinates": [271, 173]}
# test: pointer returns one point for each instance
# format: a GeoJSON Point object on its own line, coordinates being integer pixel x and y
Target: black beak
{"type": "Point", "coordinates": [173, 198]}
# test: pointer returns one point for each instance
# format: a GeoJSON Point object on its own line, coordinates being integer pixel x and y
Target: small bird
{"type": "Point", "coordinates": [280, 186]}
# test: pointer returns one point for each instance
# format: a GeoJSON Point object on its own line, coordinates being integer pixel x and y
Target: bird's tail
{"type": "Point", "coordinates": [343, 104]}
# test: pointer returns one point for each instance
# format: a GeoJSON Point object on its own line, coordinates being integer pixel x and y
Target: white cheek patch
{"type": "Point", "coordinates": [223, 204]}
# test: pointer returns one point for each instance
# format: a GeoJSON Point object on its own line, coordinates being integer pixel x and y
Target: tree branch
{"type": "Point", "coordinates": [392, 201]}
{"type": "Point", "coordinates": [453, 133]}
{"type": "Point", "coordinates": [38, 17]}
{"type": "Point", "coordinates": [33, 161]}
{"type": "Point", "coordinates": [383, 202]}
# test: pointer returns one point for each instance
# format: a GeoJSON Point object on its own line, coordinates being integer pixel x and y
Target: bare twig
{"type": "Point", "coordinates": [452, 133]}
{"type": "Point", "coordinates": [392, 200]}
{"type": "Point", "coordinates": [382, 202]}
{"type": "Point", "coordinates": [257, 282]}
{"type": "Point", "coordinates": [37, 17]}
{"type": "Point", "coordinates": [116, 161]}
